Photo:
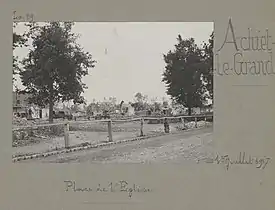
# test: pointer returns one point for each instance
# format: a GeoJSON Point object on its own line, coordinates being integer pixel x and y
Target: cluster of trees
{"type": "Point", "coordinates": [188, 77]}
{"type": "Point", "coordinates": [108, 105]}
{"type": "Point", "coordinates": [55, 65]}
{"type": "Point", "coordinates": [139, 103]}
{"type": "Point", "coordinates": [188, 72]}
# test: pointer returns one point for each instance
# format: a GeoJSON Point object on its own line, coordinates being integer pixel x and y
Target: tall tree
{"type": "Point", "coordinates": [54, 68]}
{"type": "Point", "coordinates": [18, 40]}
{"type": "Point", "coordinates": [141, 102]}
{"type": "Point", "coordinates": [140, 98]}
{"type": "Point", "coordinates": [208, 67]}
{"type": "Point", "coordinates": [183, 74]}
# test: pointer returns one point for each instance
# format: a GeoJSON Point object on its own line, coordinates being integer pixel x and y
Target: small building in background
{"type": "Point", "coordinates": [166, 111]}
{"type": "Point", "coordinates": [127, 109]}
{"type": "Point", "coordinates": [79, 114]}
{"type": "Point", "coordinates": [202, 110]}
{"type": "Point", "coordinates": [196, 110]}
{"type": "Point", "coordinates": [20, 104]}
{"type": "Point", "coordinates": [22, 107]}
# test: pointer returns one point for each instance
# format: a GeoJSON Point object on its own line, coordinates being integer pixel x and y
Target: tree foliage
{"type": "Point", "coordinates": [208, 67]}
{"type": "Point", "coordinates": [91, 108]}
{"type": "Point", "coordinates": [55, 65]}
{"type": "Point", "coordinates": [18, 40]}
{"type": "Point", "coordinates": [157, 106]}
{"type": "Point", "coordinates": [109, 105]}
{"type": "Point", "coordinates": [184, 73]}
{"type": "Point", "coordinates": [140, 102]}
{"type": "Point", "coordinates": [141, 98]}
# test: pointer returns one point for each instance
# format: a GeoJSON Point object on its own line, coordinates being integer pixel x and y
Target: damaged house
{"type": "Point", "coordinates": [22, 107]}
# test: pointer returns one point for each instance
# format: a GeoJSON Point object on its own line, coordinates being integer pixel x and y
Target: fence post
{"type": "Point", "coordinates": [196, 122]}
{"type": "Point", "coordinates": [166, 125]}
{"type": "Point", "coordinates": [110, 130]}
{"type": "Point", "coordinates": [66, 134]}
{"type": "Point", "coordinates": [183, 122]}
{"type": "Point", "coordinates": [141, 126]}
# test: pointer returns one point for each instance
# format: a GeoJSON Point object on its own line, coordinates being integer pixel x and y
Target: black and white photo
{"type": "Point", "coordinates": [117, 92]}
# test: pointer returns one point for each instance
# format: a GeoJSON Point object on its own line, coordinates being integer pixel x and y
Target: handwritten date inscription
{"type": "Point", "coordinates": [242, 159]}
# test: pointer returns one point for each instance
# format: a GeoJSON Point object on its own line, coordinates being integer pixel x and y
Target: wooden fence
{"type": "Point", "coordinates": [66, 124]}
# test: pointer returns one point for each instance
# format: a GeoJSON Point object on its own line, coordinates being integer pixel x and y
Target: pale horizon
{"type": "Point", "coordinates": [129, 55]}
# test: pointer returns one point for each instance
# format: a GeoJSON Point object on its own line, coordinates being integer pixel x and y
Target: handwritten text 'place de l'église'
{"type": "Point", "coordinates": [28, 17]}
{"type": "Point", "coordinates": [242, 159]}
{"type": "Point", "coordinates": [256, 41]}
{"type": "Point", "coordinates": [117, 187]}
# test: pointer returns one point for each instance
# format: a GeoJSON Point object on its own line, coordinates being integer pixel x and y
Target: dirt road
{"type": "Point", "coordinates": [174, 148]}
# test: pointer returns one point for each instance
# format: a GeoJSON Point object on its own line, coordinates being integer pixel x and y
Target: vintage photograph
{"type": "Point", "coordinates": [112, 92]}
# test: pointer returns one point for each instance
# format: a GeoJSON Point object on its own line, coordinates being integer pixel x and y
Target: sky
{"type": "Point", "coordinates": [129, 55]}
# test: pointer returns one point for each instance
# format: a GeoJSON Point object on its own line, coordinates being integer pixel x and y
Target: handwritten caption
{"type": "Point", "coordinates": [241, 159]}
{"type": "Point", "coordinates": [255, 41]}
{"type": "Point", "coordinates": [111, 187]}
{"type": "Point", "coordinates": [28, 17]}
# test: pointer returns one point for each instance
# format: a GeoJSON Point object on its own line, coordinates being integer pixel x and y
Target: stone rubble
{"type": "Point", "coordinates": [29, 136]}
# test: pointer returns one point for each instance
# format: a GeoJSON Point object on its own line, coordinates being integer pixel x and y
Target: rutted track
{"type": "Point", "coordinates": [178, 147]}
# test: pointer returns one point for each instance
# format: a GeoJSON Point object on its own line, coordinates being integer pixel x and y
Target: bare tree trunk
{"type": "Point", "coordinates": [51, 103]}
{"type": "Point", "coordinates": [189, 111]}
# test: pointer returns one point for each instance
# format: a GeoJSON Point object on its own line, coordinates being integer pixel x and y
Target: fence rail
{"type": "Point", "coordinates": [110, 122]}
{"type": "Point", "coordinates": [106, 120]}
